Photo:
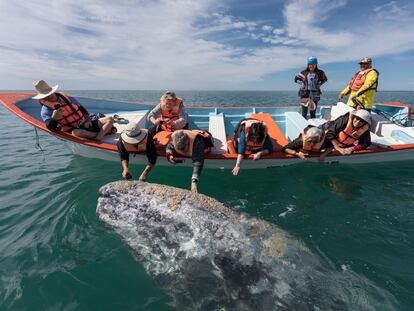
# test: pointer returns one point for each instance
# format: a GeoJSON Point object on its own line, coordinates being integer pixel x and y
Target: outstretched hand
{"type": "Point", "coordinates": [126, 175]}
{"type": "Point", "coordinates": [236, 170]}
{"type": "Point", "coordinates": [302, 155]}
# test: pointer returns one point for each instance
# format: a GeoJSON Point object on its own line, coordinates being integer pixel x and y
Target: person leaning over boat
{"type": "Point", "coordinates": [251, 137]}
{"type": "Point", "coordinates": [350, 132]}
{"type": "Point", "coordinates": [311, 139]}
{"type": "Point", "coordinates": [136, 140]}
{"type": "Point", "coordinates": [363, 86]}
{"type": "Point", "coordinates": [311, 80]}
{"type": "Point", "coordinates": [194, 144]}
{"type": "Point", "coordinates": [64, 113]}
{"type": "Point", "coordinates": [169, 114]}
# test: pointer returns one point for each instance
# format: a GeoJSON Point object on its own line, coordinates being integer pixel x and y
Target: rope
{"type": "Point", "coordinates": [37, 144]}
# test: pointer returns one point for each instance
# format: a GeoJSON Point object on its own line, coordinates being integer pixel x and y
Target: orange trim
{"type": "Point", "coordinates": [8, 100]}
{"type": "Point", "coordinates": [279, 139]}
{"type": "Point", "coordinates": [230, 145]}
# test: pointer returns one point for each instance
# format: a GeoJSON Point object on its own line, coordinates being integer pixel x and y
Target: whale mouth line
{"type": "Point", "coordinates": [206, 256]}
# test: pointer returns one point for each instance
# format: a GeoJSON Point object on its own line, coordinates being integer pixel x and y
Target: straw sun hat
{"type": "Point", "coordinates": [133, 134]}
{"type": "Point", "coordinates": [43, 89]}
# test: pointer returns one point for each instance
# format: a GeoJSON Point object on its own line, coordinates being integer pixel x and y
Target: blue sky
{"type": "Point", "coordinates": [203, 44]}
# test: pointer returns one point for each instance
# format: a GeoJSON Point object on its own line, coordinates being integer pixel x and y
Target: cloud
{"type": "Point", "coordinates": [180, 44]}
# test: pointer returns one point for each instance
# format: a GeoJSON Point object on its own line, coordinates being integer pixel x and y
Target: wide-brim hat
{"type": "Point", "coordinates": [43, 89]}
{"type": "Point", "coordinates": [133, 134]}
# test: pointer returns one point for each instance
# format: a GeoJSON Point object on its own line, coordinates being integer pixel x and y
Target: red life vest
{"type": "Point", "coordinates": [71, 114]}
{"type": "Point", "coordinates": [349, 135]}
{"type": "Point", "coordinates": [192, 135]}
{"type": "Point", "coordinates": [138, 148]}
{"type": "Point", "coordinates": [170, 115]}
{"type": "Point", "coordinates": [309, 146]}
{"type": "Point", "coordinates": [251, 145]}
{"type": "Point", "coordinates": [359, 78]}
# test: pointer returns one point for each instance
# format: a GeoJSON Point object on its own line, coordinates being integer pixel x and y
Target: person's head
{"type": "Point", "coordinates": [180, 141]}
{"type": "Point", "coordinates": [313, 135]}
{"type": "Point", "coordinates": [168, 99]}
{"type": "Point", "coordinates": [312, 63]}
{"type": "Point", "coordinates": [360, 118]}
{"type": "Point", "coordinates": [365, 63]}
{"type": "Point", "coordinates": [256, 132]}
{"type": "Point", "coordinates": [44, 91]}
{"type": "Point", "coordinates": [133, 134]}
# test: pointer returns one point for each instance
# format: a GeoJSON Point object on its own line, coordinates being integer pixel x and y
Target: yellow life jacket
{"type": "Point", "coordinates": [350, 135]}
{"type": "Point", "coordinates": [71, 114]}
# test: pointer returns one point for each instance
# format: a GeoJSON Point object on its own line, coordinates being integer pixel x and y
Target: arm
{"type": "Point", "coordinates": [49, 117]}
{"type": "Point", "coordinates": [241, 147]}
{"type": "Point", "coordinates": [364, 141]}
{"type": "Point", "coordinates": [267, 148]}
{"type": "Point", "coordinates": [344, 92]}
{"type": "Point", "coordinates": [322, 77]}
{"type": "Point", "coordinates": [124, 156]}
{"type": "Point", "coordinates": [152, 159]}
{"type": "Point", "coordinates": [155, 115]}
{"type": "Point", "coordinates": [182, 120]}
{"type": "Point", "coordinates": [198, 161]}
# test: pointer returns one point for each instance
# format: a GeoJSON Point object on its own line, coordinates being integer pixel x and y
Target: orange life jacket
{"type": "Point", "coordinates": [251, 145]}
{"type": "Point", "coordinates": [170, 115]}
{"type": "Point", "coordinates": [359, 78]}
{"type": "Point", "coordinates": [309, 146]}
{"type": "Point", "coordinates": [192, 135]}
{"type": "Point", "coordinates": [349, 135]}
{"type": "Point", "coordinates": [138, 148]}
{"type": "Point", "coordinates": [71, 114]}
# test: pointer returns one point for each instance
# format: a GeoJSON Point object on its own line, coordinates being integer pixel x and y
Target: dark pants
{"type": "Point", "coordinates": [312, 112]}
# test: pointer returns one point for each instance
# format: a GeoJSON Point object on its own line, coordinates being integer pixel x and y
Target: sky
{"type": "Point", "coordinates": [202, 44]}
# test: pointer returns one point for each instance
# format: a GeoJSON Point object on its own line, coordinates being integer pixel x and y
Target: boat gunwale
{"type": "Point", "coordinates": [10, 104]}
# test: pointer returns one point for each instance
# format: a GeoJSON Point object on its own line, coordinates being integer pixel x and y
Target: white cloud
{"type": "Point", "coordinates": [178, 44]}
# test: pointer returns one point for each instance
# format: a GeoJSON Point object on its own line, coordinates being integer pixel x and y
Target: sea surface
{"type": "Point", "coordinates": [56, 255]}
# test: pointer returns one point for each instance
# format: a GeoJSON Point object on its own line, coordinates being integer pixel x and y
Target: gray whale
{"type": "Point", "coordinates": [206, 256]}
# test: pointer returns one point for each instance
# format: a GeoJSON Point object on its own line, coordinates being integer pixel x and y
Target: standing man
{"type": "Point", "coordinates": [363, 86]}
{"type": "Point", "coordinates": [64, 113]}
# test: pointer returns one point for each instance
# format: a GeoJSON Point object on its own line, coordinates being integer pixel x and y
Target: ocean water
{"type": "Point", "coordinates": [56, 255]}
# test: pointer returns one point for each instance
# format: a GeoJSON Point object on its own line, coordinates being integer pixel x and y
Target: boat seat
{"type": "Point", "coordinates": [339, 110]}
{"type": "Point", "coordinates": [138, 117]}
{"type": "Point", "coordinates": [295, 123]}
{"type": "Point", "coordinates": [217, 128]}
{"type": "Point", "coordinates": [279, 139]}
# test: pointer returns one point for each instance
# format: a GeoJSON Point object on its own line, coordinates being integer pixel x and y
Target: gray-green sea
{"type": "Point", "coordinates": [56, 255]}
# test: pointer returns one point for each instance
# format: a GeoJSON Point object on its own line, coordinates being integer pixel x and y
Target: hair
{"type": "Point", "coordinates": [307, 68]}
{"type": "Point", "coordinates": [168, 95]}
{"type": "Point", "coordinates": [256, 132]}
{"type": "Point", "coordinates": [180, 140]}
